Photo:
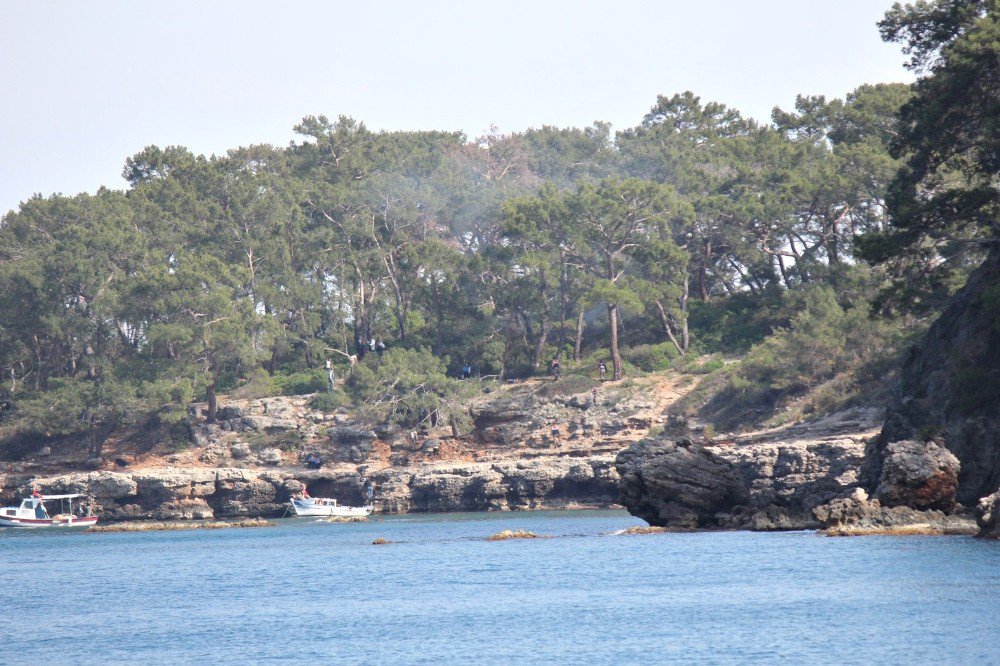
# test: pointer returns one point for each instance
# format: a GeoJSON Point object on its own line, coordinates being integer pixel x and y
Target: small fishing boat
{"type": "Point", "coordinates": [327, 507]}
{"type": "Point", "coordinates": [33, 513]}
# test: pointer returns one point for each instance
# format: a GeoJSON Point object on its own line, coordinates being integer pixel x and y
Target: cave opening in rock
{"type": "Point", "coordinates": [349, 492]}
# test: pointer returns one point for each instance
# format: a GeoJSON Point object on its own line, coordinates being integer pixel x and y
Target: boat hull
{"type": "Point", "coordinates": [30, 523]}
{"type": "Point", "coordinates": [306, 508]}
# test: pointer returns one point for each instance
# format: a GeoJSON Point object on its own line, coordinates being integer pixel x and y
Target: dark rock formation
{"type": "Point", "coordinates": [988, 516]}
{"type": "Point", "coordinates": [761, 486]}
{"type": "Point", "coordinates": [670, 484]}
{"type": "Point", "coordinates": [949, 387]}
{"type": "Point", "coordinates": [921, 475]}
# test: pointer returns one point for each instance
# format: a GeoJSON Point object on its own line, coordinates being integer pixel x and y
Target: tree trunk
{"type": "Point", "coordinates": [543, 337]}
{"type": "Point", "coordinates": [563, 301]}
{"type": "Point", "coordinates": [616, 359]}
{"type": "Point", "coordinates": [784, 272]}
{"type": "Point", "coordinates": [665, 321]}
{"type": "Point", "coordinates": [703, 272]}
{"type": "Point", "coordinates": [685, 334]}
{"type": "Point", "coordinates": [578, 343]}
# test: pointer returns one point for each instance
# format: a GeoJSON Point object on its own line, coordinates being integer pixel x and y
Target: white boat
{"type": "Point", "coordinates": [327, 507]}
{"type": "Point", "coordinates": [33, 513]}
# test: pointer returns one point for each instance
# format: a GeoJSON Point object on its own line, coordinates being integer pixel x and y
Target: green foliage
{"type": "Point", "coordinates": [651, 358]}
{"type": "Point", "coordinates": [824, 342]}
{"type": "Point", "coordinates": [735, 323]}
{"type": "Point", "coordinates": [329, 401]}
{"type": "Point", "coordinates": [406, 386]}
{"type": "Point", "coordinates": [698, 231]}
{"type": "Point", "coordinates": [944, 200]}
{"type": "Point", "coordinates": [301, 383]}
{"type": "Point", "coordinates": [257, 385]}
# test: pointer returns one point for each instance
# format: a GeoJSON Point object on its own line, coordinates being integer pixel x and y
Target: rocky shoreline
{"type": "Point", "coordinates": [800, 482]}
{"type": "Point", "coordinates": [529, 452]}
{"type": "Point", "coordinates": [209, 493]}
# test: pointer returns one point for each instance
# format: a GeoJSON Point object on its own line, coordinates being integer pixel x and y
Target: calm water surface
{"type": "Point", "coordinates": [319, 593]}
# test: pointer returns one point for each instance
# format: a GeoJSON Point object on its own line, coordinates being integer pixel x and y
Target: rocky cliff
{"type": "Point", "coordinates": [802, 478]}
{"type": "Point", "coordinates": [763, 481]}
{"type": "Point", "coordinates": [949, 388]}
{"type": "Point", "coordinates": [936, 454]}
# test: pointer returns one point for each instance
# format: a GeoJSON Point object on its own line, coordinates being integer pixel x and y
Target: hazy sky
{"type": "Point", "coordinates": [83, 85]}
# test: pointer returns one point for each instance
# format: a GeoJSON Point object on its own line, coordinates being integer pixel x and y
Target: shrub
{"type": "Point", "coordinates": [406, 385]}
{"type": "Point", "coordinates": [329, 401]}
{"type": "Point", "coordinates": [651, 358]}
{"type": "Point", "coordinates": [258, 385]}
{"type": "Point", "coordinates": [840, 351]}
{"type": "Point", "coordinates": [301, 383]}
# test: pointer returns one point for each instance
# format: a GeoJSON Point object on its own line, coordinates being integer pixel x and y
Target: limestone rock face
{"type": "Point", "coordinates": [507, 421]}
{"type": "Point", "coordinates": [247, 497]}
{"type": "Point", "coordinates": [922, 475]}
{"type": "Point", "coordinates": [164, 485]}
{"type": "Point", "coordinates": [200, 493]}
{"type": "Point", "coordinates": [189, 509]}
{"type": "Point", "coordinates": [549, 483]}
{"type": "Point", "coordinates": [270, 456]}
{"type": "Point", "coordinates": [354, 443]}
{"type": "Point", "coordinates": [763, 486]}
{"type": "Point", "coordinates": [110, 485]}
{"type": "Point", "coordinates": [240, 451]}
{"type": "Point", "coordinates": [857, 515]}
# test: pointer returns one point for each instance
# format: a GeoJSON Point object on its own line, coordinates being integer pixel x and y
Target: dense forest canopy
{"type": "Point", "coordinates": [698, 230]}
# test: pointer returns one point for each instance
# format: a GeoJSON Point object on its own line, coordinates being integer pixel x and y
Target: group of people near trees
{"type": "Point", "coordinates": [373, 346]}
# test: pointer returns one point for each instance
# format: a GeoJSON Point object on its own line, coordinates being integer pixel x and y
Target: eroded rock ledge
{"type": "Point", "coordinates": [797, 484]}
{"type": "Point", "coordinates": [207, 493]}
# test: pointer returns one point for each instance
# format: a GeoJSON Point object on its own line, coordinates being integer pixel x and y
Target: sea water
{"type": "Point", "coordinates": [317, 593]}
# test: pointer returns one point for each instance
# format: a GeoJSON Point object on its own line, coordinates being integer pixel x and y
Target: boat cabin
{"type": "Point", "coordinates": [31, 507]}
{"type": "Point", "coordinates": [32, 512]}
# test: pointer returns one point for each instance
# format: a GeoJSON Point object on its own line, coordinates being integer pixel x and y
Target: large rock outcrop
{"type": "Point", "coordinates": [949, 387]}
{"type": "Point", "coordinates": [772, 485]}
{"type": "Point", "coordinates": [798, 484]}
{"type": "Point", "coordinates": [679, 485]}
{"type": "Point", "coordinates": [922, 475]}
{"type": "Point", "coordinates": [988, 516]}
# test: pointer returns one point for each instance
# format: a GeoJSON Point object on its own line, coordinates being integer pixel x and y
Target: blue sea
{"type": "Point", "coordinates": [318, 593]}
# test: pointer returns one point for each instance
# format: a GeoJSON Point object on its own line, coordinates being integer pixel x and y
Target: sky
{"type": "Point", "coordinates": [84, 85]}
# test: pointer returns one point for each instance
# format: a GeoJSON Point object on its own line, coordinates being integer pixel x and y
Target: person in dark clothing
{"type": "Point", "coordinates": [602, 371]}
{"type": "Point", "coordinates": [379, 346]}
{"type": "Point", "coordinates": [466, 371]}
{"type": "Point", "coordinates": [361, 346]}
{"type": "Point", "coordinates": [554, 369]}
